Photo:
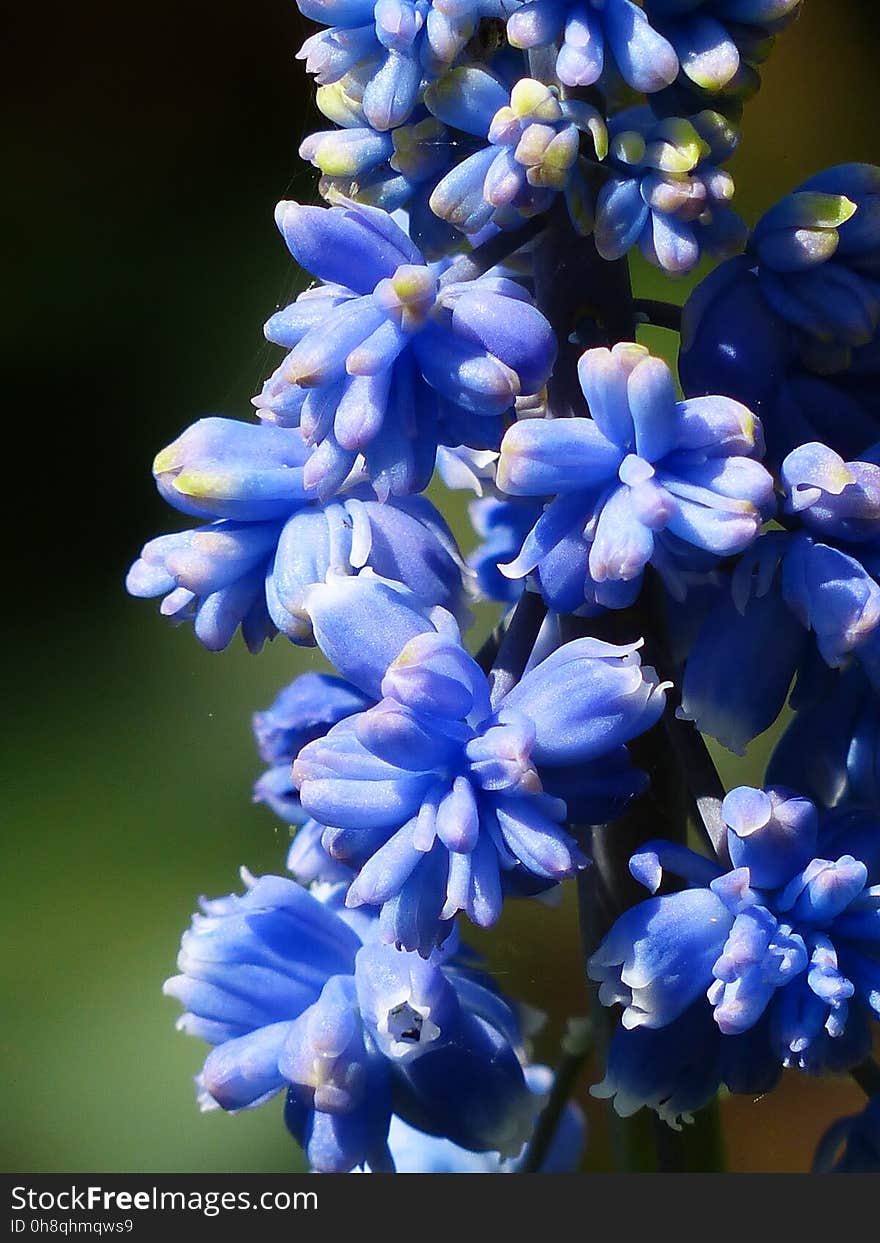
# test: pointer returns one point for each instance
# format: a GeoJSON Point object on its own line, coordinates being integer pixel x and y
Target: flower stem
{"type": "Point", "coordinates": [660, 314]}
{"type": "Point", "coordinates": [867, 1076]}
{"type": "Point", "coordinates": [576, 1047]}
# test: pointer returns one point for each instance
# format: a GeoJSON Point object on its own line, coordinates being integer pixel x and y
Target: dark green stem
{"type": "Point", "coordinates": [516, 646]}
{"type": "Point", "coordinates": [660, 314]}
{"type": "Point", "coordinates": [576, 1048]}
{"type": "Point", "coordinates": [493, 252]}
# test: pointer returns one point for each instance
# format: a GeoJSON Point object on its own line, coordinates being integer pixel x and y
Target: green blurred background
{"type": "Point", "coordinates": [147, 151]}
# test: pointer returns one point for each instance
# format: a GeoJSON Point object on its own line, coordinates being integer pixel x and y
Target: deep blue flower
{"type": "Point", "coordinates": [831, 748]}
{"type": "Point", "coordinates": [817, 256]}
{"type": "Point", "coordinates": [677, 1069]}
{"type": "Point", "coordinates": [443, 799]}
{"type": "Point", "coordinates": [414, 1152]}
{"type": "Point", "coordinates": [393, 47]}
{"type": "Point", "coordinates": [851, 1145]}
{"type": "Point", "coordinates": [502, 524]}
{"type": "Point", "coordinates": [646, 479]}
{"type": "Point", "coordinates": [532, 150]}
{"type": "Point", "coordinates": [270, 539]}
{"type": "Point", "coordinates": [596, 36]}
{"type": "Point", "coordinates": [713, 38]}
{"type": "Point", "coordinates": [791, 932]}
{"type": "Point", "coordinates": [667, 194]}
{"type": "Point", "coordinates": [811, 587]}
{"type": "Point", "coordinates": [293, 997]}
{"type": "Point", "coordinates": [385, 363]}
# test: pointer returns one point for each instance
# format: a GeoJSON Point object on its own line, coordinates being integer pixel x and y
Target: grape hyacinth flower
{"type": "Point", "coordinates": [533, 151]}
{"type": "Point", "coordinates": [442, 799]}
{"type": "Point", "coordinates": [811, 588]}
{"type": "Point", "coordinates": [678, 1069]}
{"type": "Point", "coordinates": [594, 33]}
{"type": "Point", "coordinates": [502, 524]}
{"type": "Point", "coordinates": [386, 363]}
{"type": "Point", "coordinates": [415, 1152]}
{"type": "Point", "coordinates": [293, 998]}
{"type": "Point", "coordinates": [646, 479]}
{"type": "Point", "coordinates": [667, 194]}
{"type": "Point", "coordinates": [270, 540]}
{"type": "Point", "coordinates": [791, 931]}
{"type": "Point", "coordinates": [394, 46]}
{"type": "Point", "coordinates": [712, 38]}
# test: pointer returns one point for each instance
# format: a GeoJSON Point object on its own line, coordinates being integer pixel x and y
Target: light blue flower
{"type": "Point", "coordinates": [532, 151]}
{"type": "Point", "coordinates": [386, 363]}
{"type": "Point", "coordinates": [392, 46]}
{"type": "Point", "coordinates": [293, 997]}
{"type": "Point", "coordinates": [270, 540]}
{"type": "Point", "coordinates": [442, 799]}
{"type": "Point", "coordinates": [594, 33]}
{"type": "Point", "coordinates": [667, 193]}
{"type": "Point", "coordinates": [792, 931]}
{"type": "Point", "coordinates": [646, 479]}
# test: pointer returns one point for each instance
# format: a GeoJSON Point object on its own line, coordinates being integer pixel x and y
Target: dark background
{"type": "Point", "coordinates": [145, 151]}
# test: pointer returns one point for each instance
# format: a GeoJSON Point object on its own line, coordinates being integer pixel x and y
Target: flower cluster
{"type": "Point", "coordinates": [785, 944]}
{"type": "Point", "coordinates": [491, 166]}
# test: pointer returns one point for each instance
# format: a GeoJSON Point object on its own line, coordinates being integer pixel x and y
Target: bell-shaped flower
{"type": "Point", "coordinates": [294, 996]}
{"type": "Point", "coordinates": [442, 799]}
{"type": "Point", "coordinates": [596, 36]}
{"type": "Point", "coordinates": [270, 540]}
{"type": "Point", "coordinates": [667, 193]}
{"type": "Point", "coordinates": [646, 479]}
{"type": "Point", "coordinates": [532, 150]}
{"type": "Point", "coordinates": [790, 935]}
{"type": "Point", "coordinates": [385, 361]}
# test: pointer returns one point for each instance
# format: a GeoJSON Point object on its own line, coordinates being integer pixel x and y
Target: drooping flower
{"type": "Point", "coordinates": [393, 46]}
{"type": "Point", "coordinates": [415, 1152]}
{"type": "Point", "coordinates": [718, 41]}
{"type": "Point", "coordinates": [269, 539]}
{"type": "Point", "coordinates": [532, 150]}
{"type": "Point", "coordinates": [443, 799]}
{"type": "Point", "coordinates": [667, 194]}
{"type": "Point", "coordinates": [385, 361]}
{"type": "Point", "coordinates": [678, 1069]}
{"type": "Point", "coordinates": [293, 997]}
{"type": "Point", "coordinates": [594, 33]}
{"type": "Point", "coordinates": [646, 479]}
{"type": "Point", "coordinates": [791, 932]}
{"type": "Point", "coordinates": [812, 588]}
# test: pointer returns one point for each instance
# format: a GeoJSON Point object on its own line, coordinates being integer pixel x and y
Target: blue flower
{"type": "Point", "coordinates": [666, 193]}
{"type": "Point", "coordinates": [301, 712]}
{"type": "Point", "coordinates": [502, 524]}
{"type": "Point", "coordinates": [533, 150]}
{"type": "Point", "coordinates": [817, 256]}
{"type": "Point", "coordinates": [831, 748]}
{"type": "Point", "coordinates": [415, 1152]}
{"type": "Point", "coordinates": [385, 362]}
{"type": "Point", "coordinates": [813, 587]}
{"type": "Point", "coordinates": [392, 46]}
{"type": "Point", "coordinates": [851, 1145]}
{"type": "Point", "coordinates": [270, 540]}
{"type": "Point", "coordinates": [294, 998]}
{"type": "Point", "coordinates": [441, 798]}
{"type": "Point", "coordinates": [791, 932]}
{"type": "Point", "coordinates": [712, 38]}
{"type": "Point", "coordinates": [596, 35]}
{"type": "Point", "coordinates": [677, 1069]}
{"type": "Point", "coordinates": [734, 342]}
{"type": "Point", "coordinates": [646, 479]}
